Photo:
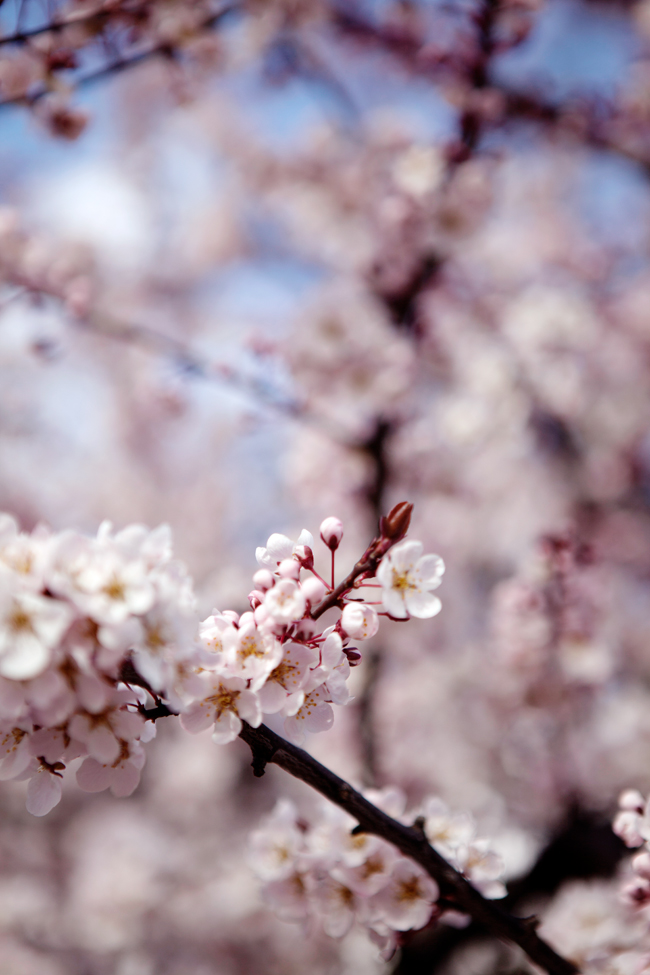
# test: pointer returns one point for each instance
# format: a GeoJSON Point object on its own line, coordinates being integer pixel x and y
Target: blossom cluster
{"type": "Point", "coordinates": [92, 630]}
{"type": "Point", "coordinates": [322, 871]}
{"type": "Point", "coordinates": [72, 609]}
{"type": "Point", "coordinates": [277, 659]}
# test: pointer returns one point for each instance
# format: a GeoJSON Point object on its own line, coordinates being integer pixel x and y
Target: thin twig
{"type": "Point", "coordinates": [269, 748]}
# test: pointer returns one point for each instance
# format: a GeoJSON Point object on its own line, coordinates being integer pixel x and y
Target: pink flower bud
{"type": "Point", "coordinates": [255, 598]}
{"type": "Point", "coordinates": [331, 531]}
{"type": "Point", "coordinates": [631, 800]}
{"type": "Point", "coordinates": [359, 621]}
{"type": "Point", "coordinates": [263, 580]}
{"type": "Point", "coordinates": [313, 589]}
{"type": "Point", "coordinates": [289, 569]}
{"type": "Point", "coordinates": [637, 893]}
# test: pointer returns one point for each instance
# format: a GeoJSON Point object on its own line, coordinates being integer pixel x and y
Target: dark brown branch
{"type": "Point", "coordinates": [269, 748]}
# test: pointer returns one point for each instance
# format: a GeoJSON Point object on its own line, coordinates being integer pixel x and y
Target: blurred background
{"type": "Point", "coordinates": [265, 262]}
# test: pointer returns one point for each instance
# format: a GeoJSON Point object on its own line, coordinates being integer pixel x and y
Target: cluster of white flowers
{"type": "Point", "coordinates": [93, 631]}
{"type": "Point", "coordinates": [73, 609]}
{"type": "Point", "coordinates": [276, 659]}
{"type": "Point", "coordinates": [323, 872]}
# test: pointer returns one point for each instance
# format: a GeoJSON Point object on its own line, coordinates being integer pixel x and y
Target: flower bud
{"type": "Point", "coordinates": [263, 580]}
{"type": "Point", "coordinates": [289, 569]}
{"type": "Point", "coordinates": [395, 524]}
{"type": "Point", "coordinates": [359, 621]}
{"type": "Point", "coordinates": [313, 589]}
{"type": "Point", "coordinates": [305, 556]}
{"type": "Point", "coordinates": [631, 800]}
{"type": "Point", "coordinates": [255, 598]}
{"type": "Point", "coordinates": [331, 531]}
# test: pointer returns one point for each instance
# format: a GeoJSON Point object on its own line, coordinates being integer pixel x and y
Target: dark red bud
{"type": "Point", "coordinates": [305, 556]}
{"type": "Point", "coordinates": [395, 524]}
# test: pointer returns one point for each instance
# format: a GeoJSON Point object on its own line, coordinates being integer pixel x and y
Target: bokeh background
{"type": "Point", "coordinates": [266, 262]}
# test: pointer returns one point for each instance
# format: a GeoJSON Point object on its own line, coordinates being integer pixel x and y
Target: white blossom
{"type": "Point", "coordinates": [407, 578]}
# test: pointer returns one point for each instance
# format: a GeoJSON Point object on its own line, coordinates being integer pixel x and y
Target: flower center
{"type": "Point", "coordinates": [224, 700]}
{"type": "Point", "coordinates": [409, 890]}
{"type": "Point", "coordinates": [401, 581]}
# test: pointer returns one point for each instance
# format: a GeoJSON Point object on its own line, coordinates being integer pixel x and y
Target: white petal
{"type": "Point", "coordinates": [279, 547]}
{"type": "Point", "coordinates": [197, 718]}
{"type": "Point", "coordinates": [394, 603]}
{"type": "Point", "coordinates": [125, 780]}
{"type": "Point", "coordinates": [93, 777]}
{"type": "Point", "coordinates": [272, 696]}
{"type": "Point", "coordinates": [429, 570]}
{"type": "Point", "coordinates": [43, 793]}
{"type": "Point", "coordinates": [226, 728]}
{"type": "Point", "coordinates": [248, 706]}
{"type": "Point", "coordinates": [102, 745]}
{"type": "Point", "coordinates": [422, 605]}
{"type": "Point", "coordinates": [405, 554]}
{"type": "Point", "coordinates": [26, 658]}
{"type": "Point", "coordinates": [320, 719]}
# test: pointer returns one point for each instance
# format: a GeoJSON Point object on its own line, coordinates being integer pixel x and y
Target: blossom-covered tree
{"type": "Point", "coordinates": [265, 264]}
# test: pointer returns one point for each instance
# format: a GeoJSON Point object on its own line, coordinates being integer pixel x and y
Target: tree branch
{"type": "Point", "coordinates": [269, 748]}
{"type": "Point", "coordinates": [392, 529]}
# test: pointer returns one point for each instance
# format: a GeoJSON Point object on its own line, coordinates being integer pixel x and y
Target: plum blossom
{"type": "Point", "coordinates": [283, 689]}
{"type": "Point", "coordinates": [315, 714]}
{"type": "Point", "coordinates": [224, 704]}
{"type": "Point", "coordinates": [250, 653]}
{"type": "Point", "coordinates": [407, 899]}
{"type": "Point", "coordinates": [31, 626]}
{"type": "Point", "coordinates": [407, 578]}
{"type": "Point", "coordinates": [285, 602]}
{"type": "Point", "coordinates": [275, 846]}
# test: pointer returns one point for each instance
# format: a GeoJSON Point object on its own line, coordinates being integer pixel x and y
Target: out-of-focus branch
{"type": "Point", "coordinates": [130, 59]}
{"type": "Point", "coordinates": [98, 16]}
{"type": "Point", "coordinates": [592, 125]}
{"type": "Point", "coordinates": [269, 748]}
{"type": "Point", "coordinates": [584, 847]}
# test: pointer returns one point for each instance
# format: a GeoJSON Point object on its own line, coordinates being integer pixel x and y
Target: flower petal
{"type": "Point", "coordinates": [43, 793]}
{"type": "Point", "coordinates": [422, 605]}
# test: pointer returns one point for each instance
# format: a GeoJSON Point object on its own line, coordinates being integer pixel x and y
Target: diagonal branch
{"type": "Point", "coordinates": [269, 748]}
